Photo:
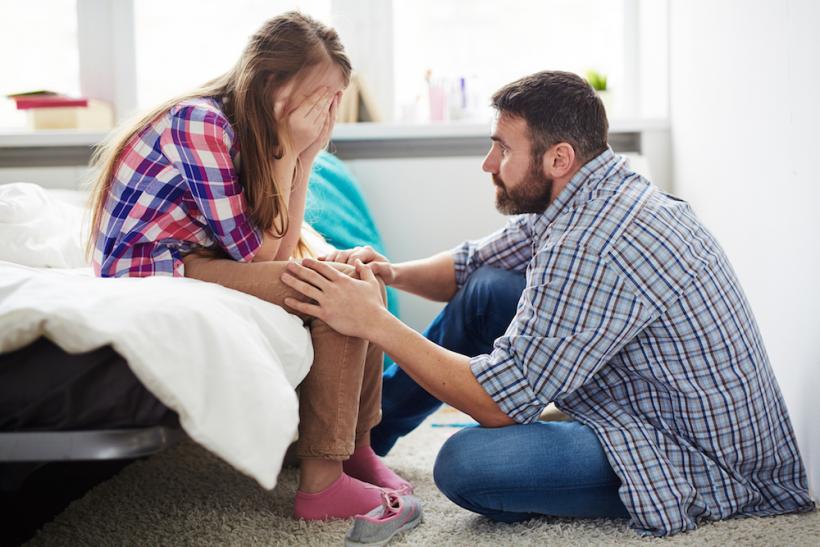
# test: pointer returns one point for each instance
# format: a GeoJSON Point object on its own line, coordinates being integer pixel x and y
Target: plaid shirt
{"type": "Point", "coordinates": [174, 188]}
{"type": "Point", "coordinates": [633, 322]}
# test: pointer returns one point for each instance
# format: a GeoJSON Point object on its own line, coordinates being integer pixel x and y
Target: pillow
{"type": "Point", "coordinates": [41, 228]}
{"type": "Point", "coordinates": [337, 210]}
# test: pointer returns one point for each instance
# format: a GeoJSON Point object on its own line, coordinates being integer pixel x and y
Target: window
{"type": "Point", "coordinates": [38, 41]}
{"type": "Point", "coordinates": [182, 44]}
{"type": "Point", "coordinates": [491, 43]}
{"type": "Point", "coordinates": [137, 53]}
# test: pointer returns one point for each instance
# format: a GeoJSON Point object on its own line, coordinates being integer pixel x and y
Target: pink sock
{"type": "Point", "coordinates": [365, 465]}
{"type": "Point", "coordinates": [345, 497]}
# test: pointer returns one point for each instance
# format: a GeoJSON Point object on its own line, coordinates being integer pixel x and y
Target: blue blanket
{"type": "Point", "coordinates": [337, 210]}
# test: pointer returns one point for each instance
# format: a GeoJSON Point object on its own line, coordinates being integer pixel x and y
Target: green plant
{"type": "Point", "coordinates": [596, 80]}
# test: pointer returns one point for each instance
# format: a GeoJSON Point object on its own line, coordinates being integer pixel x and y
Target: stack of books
{"type": "Point", "coordinates": [50, 110]}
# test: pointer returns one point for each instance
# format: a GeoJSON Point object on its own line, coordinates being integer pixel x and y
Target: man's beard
{"type": "Point", "coordinates": [531, 195]}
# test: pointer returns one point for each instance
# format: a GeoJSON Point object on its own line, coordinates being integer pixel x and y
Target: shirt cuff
{"type": "Point", "coordinates": [243, 242]}
{"type": "Point", "coordinates": [504, 382]}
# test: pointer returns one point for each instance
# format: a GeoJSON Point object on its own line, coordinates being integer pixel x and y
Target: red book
{"type": "Point", "coordinates": [49, 101]}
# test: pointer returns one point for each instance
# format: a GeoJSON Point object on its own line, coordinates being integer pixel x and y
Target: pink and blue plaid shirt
{"type": "Point", "coordinates": [175, 187]}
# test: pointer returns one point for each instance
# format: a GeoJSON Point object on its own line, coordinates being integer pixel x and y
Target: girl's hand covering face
{"type": "Point", "coordinates": [323, 139]}
{"type": "Point", "coordinates": [307, 122]}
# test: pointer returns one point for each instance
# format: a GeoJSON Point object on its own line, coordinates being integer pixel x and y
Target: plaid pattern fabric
{"type": "Point", "coordinates": [633, 322]}
{"type": "Point", "coordinates": [175, 188]}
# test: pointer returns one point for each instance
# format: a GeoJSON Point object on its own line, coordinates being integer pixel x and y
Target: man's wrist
{"type": "Point", "coordinates": [399, 272]}
{"type": "Point", "coordinates": [382, 327]}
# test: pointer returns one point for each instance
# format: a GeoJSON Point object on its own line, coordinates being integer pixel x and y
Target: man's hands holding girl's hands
{"type": "Point", "coordinates": [352, 307]}
{"type": "Point", "coordinates": [378, 264]}
{"type": "Point", "coordinates": [310, 124]}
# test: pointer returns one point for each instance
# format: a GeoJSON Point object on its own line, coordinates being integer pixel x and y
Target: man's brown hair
{"type": "Point", "coordinates": [558, 107]}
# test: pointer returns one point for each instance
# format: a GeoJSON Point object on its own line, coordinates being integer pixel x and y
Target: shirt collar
{"type": "Point", "coordinates": [589, 175]}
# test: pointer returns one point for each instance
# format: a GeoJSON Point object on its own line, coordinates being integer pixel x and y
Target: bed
{"type": "Point", "coordinates": [109, 368]}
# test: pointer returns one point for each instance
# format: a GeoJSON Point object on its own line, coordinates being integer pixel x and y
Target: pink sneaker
{"type": "Point", "coordinates": [396, 514]}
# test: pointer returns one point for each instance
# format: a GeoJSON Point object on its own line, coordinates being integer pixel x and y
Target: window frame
{"type": "Point", "coordinates": [107, 52]}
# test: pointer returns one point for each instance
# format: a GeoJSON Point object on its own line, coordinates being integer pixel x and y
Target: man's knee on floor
{"type": "Point", "coordinates": [457, 469]}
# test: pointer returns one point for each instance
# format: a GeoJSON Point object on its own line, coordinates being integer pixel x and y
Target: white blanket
{"type": "Point", "coordinates": [226, 362]}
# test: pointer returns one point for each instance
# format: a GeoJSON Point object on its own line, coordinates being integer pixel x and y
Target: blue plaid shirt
{"type": "Point", "coordinates": [633, 322]}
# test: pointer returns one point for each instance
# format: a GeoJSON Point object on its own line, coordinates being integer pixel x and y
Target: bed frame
{"type": "Point", "coordinates": [106, 444]}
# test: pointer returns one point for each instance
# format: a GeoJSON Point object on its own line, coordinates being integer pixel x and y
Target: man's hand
{"type": "Point", "coordinates": [377, 263]}
{"type": "Point", "coordinates": [352, 307]}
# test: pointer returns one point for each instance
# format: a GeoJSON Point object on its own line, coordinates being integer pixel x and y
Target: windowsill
{"type": "Point", "coordinates": [23, 138]}
{"type": "Point", "coordinates": [27, 138]}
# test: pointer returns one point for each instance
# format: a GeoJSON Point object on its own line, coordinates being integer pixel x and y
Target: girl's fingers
{"type": "Point", "coordinates": [278, 109]}
{"type": "Point", "coordinates": [364, 272]}
{"type": "Point", "coordinates": [334, 106]}
{"type": "Point", "coordinates": [314, 101]}
{"type": "Point", "coordinates": [321, 110]}
{"type": "Point", "coordinates": [330, 121]}
{"type": "Point", "coordinates": [304, 108]}
{"type": "Point", "coordinates": [365, 254]}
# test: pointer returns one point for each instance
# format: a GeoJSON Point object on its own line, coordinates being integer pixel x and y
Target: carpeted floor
{"type": "Point", "coordinates": [186, 496]}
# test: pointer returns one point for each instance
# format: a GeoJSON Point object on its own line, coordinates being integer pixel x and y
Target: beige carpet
{"type": "Point", "coordinates": [186, 496]}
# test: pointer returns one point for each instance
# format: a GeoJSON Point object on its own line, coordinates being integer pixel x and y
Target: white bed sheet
{"type": "Point", "coordinates": [225, 361]}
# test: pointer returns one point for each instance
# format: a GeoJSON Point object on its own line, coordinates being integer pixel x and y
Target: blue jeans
{"type": "Point", "coordinates": [478, 314]}
{"type": "Point", "coordinates": [509, 473]}
{"type": "Point", "coordinates": [513, 473]}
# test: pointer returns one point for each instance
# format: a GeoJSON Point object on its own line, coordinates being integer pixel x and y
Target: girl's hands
{"type": "Point", "coordinates": [323, 139]}
{"type": "Point", "coordinates": [308, 126]}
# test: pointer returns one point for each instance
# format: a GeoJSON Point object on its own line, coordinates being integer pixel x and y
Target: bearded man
{"type": "Point", "coordinates": [602, 295]}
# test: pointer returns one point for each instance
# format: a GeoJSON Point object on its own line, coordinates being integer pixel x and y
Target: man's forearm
{"type": "Point", "coordinates": [433, 278]}
{"type": "Point", "coordinates": [444, 374]}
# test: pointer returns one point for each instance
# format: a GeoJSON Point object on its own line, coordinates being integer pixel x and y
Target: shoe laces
{"type": "Point", "coordinates": [391, 501]}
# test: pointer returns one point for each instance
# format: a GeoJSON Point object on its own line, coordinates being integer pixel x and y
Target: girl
{"type": "Point", "coordinates": [212, 185]}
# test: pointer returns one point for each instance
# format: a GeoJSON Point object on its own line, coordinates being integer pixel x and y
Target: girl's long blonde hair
{"type": "Point", "coordinates": [275, 54]}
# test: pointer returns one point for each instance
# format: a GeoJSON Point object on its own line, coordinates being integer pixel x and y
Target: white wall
{"type": "Point", "coordinates": [744, 114]}
{"type": "Point", "coordinates": [426, 205]}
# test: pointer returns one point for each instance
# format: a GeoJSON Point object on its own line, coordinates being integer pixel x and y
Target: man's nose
{"type": "Point", "coordinates": [489, 165]}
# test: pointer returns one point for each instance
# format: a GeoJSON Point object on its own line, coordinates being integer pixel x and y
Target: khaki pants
{"type": "Point", "coordinates": [340, 398]}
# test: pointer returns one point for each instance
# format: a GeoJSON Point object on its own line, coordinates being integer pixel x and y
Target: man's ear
{"type": "Point", "coordinates": [559, 160]}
